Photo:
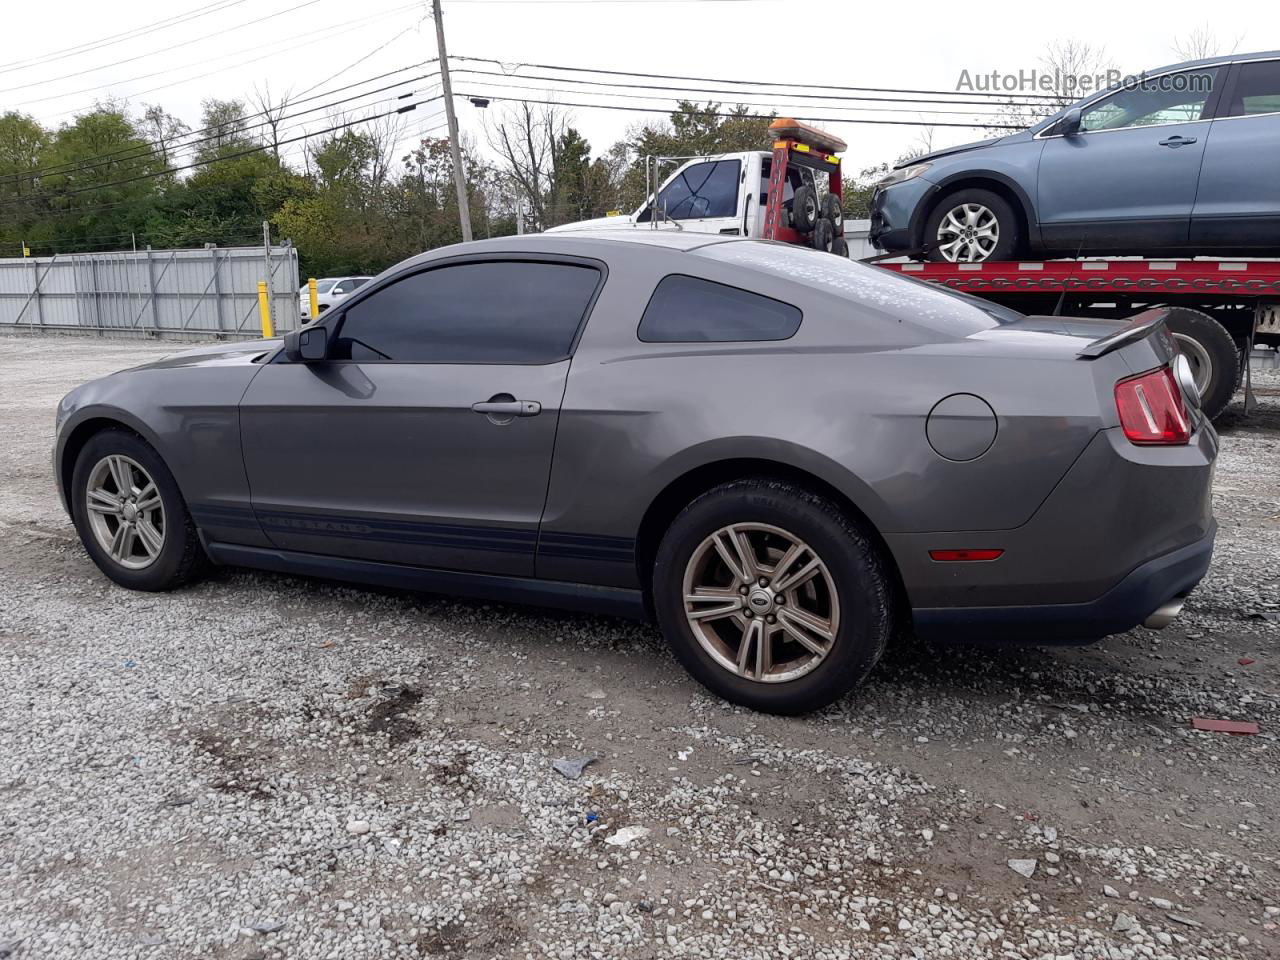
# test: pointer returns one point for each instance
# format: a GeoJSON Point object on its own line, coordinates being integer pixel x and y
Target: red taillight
{"type": "Point", "coordinates": [1151, 408]}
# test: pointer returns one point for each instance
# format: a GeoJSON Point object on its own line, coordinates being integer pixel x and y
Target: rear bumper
{"type": "Point", "coordinates": [1121, 608]}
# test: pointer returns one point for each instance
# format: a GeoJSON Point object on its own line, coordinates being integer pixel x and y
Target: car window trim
{"type": "Point", "coordinates": [333, 324]}
{"type": "Point", "coordinates": [713, 343]}
{"type": "Point", "coordinates": [1212, 104]}
{"type": "Point", "coordinates": [1229, 91]}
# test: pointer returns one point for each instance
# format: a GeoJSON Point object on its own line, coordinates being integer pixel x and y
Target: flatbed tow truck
{"type": "Point", "coordinates": [1218, 309]}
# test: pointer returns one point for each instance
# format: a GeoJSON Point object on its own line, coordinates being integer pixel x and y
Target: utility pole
{"type": "Point", "coordinates": [459, 178]}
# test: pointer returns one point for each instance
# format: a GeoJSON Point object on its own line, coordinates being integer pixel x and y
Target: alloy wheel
{"type": "Point", "coordinates": [125, 511]}
{"type": "Point", "coordinates": [761, 602]}
{"type": "Point", "coordinates": [968, 233]}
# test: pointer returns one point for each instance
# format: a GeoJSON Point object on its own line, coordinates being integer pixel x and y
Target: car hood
{"type": "Point", "coordinates": [215, 355]}
{"type": "Point", "coordinates": [959, 148]}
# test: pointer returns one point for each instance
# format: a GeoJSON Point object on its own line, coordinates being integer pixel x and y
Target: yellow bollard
{"type": "Point", "coordinates": [315, 298]}
{"type": "Point", "coordinates": [264, 310]}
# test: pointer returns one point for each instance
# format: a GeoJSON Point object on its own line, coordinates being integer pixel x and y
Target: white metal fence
{"type": "Point", "coordinates": [210, 292]}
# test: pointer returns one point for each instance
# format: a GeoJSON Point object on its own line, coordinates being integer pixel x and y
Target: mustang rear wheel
{"type": "Point", "coordinates": [130, 514]}
{"type": "Point", "coordinates": [771, 597]}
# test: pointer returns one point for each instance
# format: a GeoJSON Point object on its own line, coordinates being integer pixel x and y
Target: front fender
{"type": "Point", "coordinates": [188, 414]}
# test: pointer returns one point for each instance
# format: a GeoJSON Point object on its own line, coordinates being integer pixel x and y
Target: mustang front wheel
{"type": "Point", "coordinates": [771, 596]}
{"type": "Point", "coordinates": [130, 514]}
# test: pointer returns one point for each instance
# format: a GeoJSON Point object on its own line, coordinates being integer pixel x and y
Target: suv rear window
{"type": "Point", "coordinates": [689, 310]}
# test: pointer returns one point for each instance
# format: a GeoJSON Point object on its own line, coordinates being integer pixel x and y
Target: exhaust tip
{"type": "Point", "coordinates": [1165, 614]}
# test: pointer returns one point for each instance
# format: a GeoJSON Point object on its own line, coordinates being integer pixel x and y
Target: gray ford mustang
{"type": "Point", "coordinates": [784, 457]}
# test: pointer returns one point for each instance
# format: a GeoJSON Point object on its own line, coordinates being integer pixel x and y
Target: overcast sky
{"type": "Point", "coordinates": [313, 46]}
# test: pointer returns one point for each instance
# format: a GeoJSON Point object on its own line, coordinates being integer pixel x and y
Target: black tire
{"type": "Point", "coordinates": [840, 247]}
{"type": "Point", "coordinates": [856, 569]}
{"type": "Point", "coordinates": [180, 558]}
{"type": "Point", "coordinates": [832, 210]}
{"type": "Point", "coordinates": [823, 235]}
{"type": "Point", "coordinates": [1008, 240]}
{"type": "Point", "coordinates": [1211, 344]}
{"type": "Point", "coordinates": [805, 209]}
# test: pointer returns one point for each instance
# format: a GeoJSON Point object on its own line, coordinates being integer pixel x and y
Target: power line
{"type": "Point", "coordinates": [356, 63]}
{"type": "Point", "coordinates": [131, 34]}
{"type": "Point", "coordinates": [750, 83]}
{"type": "Point", "coordinates": [736, 102]}
{"type": "Point", "coordinates": [219, 159]}
{"type": "Point", "coordinates": [175, 46]}
{"type": "Point", "coordinates": [728, 93]}
{"type": "Point", "coordinates": [748, 116]}
{"type": "Point", "coordinates": [143, 149]}
{"type": "Point", "coordinates": [272, 47]}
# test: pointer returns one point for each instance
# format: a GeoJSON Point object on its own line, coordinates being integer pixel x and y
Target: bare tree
{"type": "Point", "coordinates": [271, 111]}
{"type": "Point", "coordinates": [525, 138]}
{"type": "Point", "coordinates": [162, 129]}
{"type": "Point", "coordinates": [1202, 42]}
{"type": "Point", "coordinates": [1068, 62]}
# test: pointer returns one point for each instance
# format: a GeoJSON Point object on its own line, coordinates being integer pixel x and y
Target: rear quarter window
{"type": "Point", "coordinates": [691, 310]}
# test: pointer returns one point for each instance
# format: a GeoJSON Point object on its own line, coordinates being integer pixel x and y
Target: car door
{"type": "Point", "coordinates": [702, 197]}
{"type": "Point", "coordinates": [1238, 201]}
{"type": "Point", "coordinates": [1126, 181]}
{"type": "Point", "coordinates": [426, 437]}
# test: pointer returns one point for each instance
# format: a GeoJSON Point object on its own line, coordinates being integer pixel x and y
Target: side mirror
{"type": "Point", "coordinates": [1069, 125]}
{"type": "Point", "coordinates": [307, 346]}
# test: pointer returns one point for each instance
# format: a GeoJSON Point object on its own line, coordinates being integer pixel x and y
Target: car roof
{"type": "Point", "coordinates": [573, 241]}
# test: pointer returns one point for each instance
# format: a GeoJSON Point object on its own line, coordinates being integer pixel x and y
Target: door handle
{"type": "Point", "coordinates": [1176, 141]}
{"type": "Point", "coordinates": [508, 408]}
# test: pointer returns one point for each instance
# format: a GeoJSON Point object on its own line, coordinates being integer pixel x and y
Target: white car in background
{"type": "Point", "coordinates": [329, 291]}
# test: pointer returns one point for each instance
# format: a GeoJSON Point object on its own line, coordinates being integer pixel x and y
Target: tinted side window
{"type": "Point", "coordinates": [491, 312]}
{"type": "Point", "coordinates": [1177, 98]}
{"type": "Point", "coordinates": [1257, 90]}
{"type": "Point", "coordinates": [688, 310]}
{"type": "Point", "coordinates": [701, 190]}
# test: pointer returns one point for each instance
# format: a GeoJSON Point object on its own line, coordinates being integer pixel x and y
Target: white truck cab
{"type": "Point", "coordinates": [737, 194]}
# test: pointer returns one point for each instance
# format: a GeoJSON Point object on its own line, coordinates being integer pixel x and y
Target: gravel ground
{"type": "Point", "coordinates": [260, 766]}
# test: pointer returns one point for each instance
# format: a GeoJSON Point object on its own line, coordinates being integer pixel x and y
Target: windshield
{"type": "Point", "coordinates": [925, 303]}
{"type": "Point", "coordinates": [324, 286]}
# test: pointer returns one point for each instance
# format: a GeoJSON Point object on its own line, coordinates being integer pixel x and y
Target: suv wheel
{"type": "Point", "coordinates": [771, 597]}
{"type": "Point", "coordinates": [130, 515]}
{"type": "Point", "coordinates": [971, 226]}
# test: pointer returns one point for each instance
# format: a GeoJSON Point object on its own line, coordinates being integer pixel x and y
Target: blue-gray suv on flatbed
{"type": "Point", "coordinates": [1179, 161]}
{"type": "Point", "coordinates": [785, 457]}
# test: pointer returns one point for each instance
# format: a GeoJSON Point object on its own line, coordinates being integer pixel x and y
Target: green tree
{"type": "Point", "coordinates": [100, 183]}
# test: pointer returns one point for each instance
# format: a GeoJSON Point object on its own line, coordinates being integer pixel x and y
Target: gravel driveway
{"type": "Point", "coordinates": [262, 766]}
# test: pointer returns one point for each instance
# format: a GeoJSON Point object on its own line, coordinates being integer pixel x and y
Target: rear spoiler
{"type": "Point", "coordinates": [1139, 327]}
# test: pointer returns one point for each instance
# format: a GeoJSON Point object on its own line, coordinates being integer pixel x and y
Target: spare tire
{"type": "Point", "coordinates": [823, 235]}
{"type": "Point", "coordinates": [805, 209]}
{"type": "Point", "coordinates": [840, 247]}
{"type": "Point", "coordinates": [832, 210]}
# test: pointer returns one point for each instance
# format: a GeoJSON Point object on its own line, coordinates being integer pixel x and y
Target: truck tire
{"type": "Point", "coordinates": [840, 247]}
{"type": "Point", "coordinates": [1214, 357]}
{"type": "Point", "coordinates": [832, 210]}
{"type": "Point", "coordinates": [971, 226]}
{"type": "Point", "coordinates": [805, 209]}
{"type": "Point", "coordinates": [823, 235]}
